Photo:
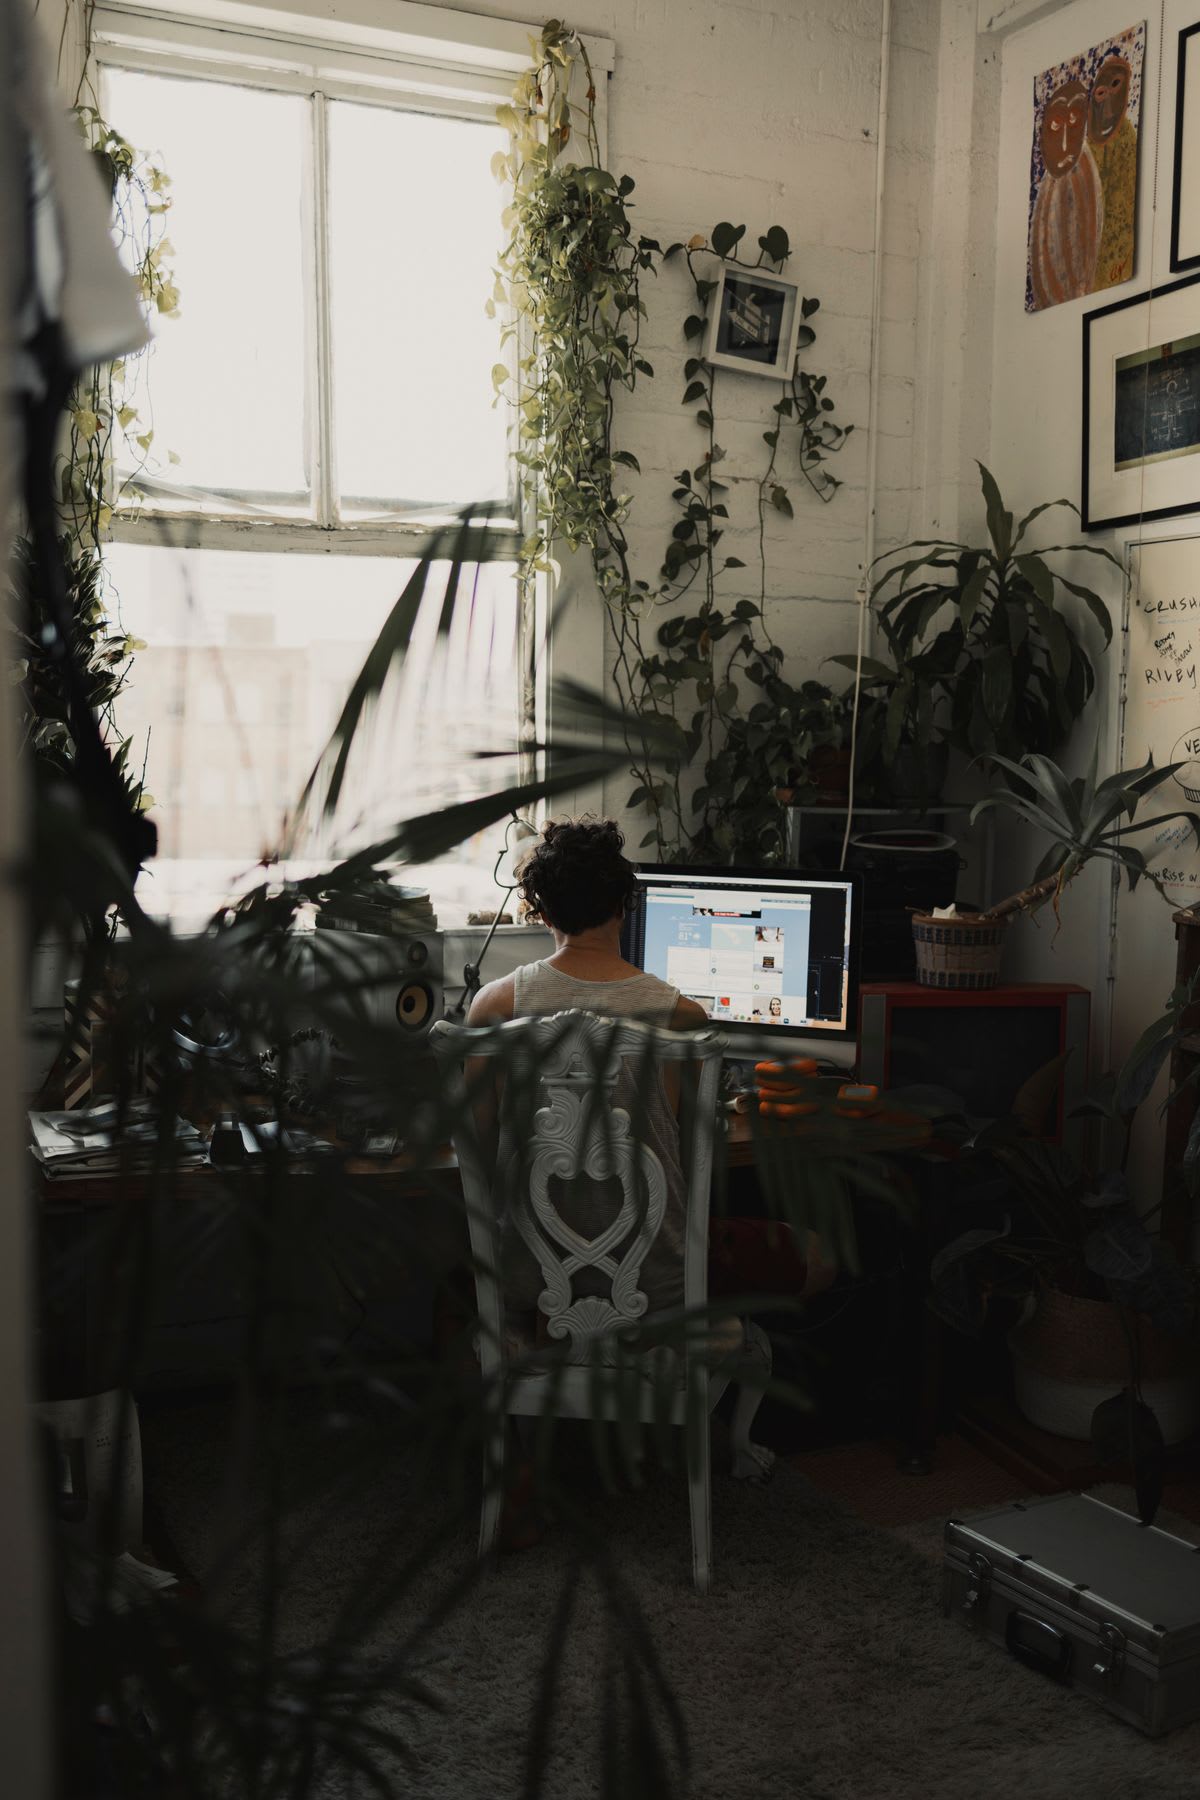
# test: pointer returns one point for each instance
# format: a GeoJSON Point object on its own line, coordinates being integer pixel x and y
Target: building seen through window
{"type": "Point", "coordinates": [327, 394]}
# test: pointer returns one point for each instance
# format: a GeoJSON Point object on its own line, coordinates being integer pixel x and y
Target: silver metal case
{"type": "Point", "coordinates": [1085, 1593]}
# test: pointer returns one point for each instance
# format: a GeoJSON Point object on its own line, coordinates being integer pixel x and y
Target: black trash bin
{"type": "Point", "coordinates": [904, 869]}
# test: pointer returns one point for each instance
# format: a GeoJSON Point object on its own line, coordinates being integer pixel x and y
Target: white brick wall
{"type": "Point", "coordinates": [765, 113]}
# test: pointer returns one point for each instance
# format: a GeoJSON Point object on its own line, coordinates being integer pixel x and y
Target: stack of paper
{"type": "Point", "coordinates": [85, 1141]}
{"type": "Point", "coordinates": [379, 908]}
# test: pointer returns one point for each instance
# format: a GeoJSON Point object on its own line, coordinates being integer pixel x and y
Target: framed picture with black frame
{"type": "Point", "coordinates": [753, 323]}
{"type": "Point", "coordinates": [1185, 184]}
{"type": "Point", "coordinates": [1141, 407]}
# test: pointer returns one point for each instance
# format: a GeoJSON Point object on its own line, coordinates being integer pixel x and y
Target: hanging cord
{"type": "Point", "coordinates": [862, 592]}
{"type": "Point", "coordinates": [862, 598]}
{"type": "Point", "coordinates": [471, 981]}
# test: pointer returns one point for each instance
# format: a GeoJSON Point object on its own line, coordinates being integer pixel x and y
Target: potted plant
{"type": "Point", "coordinates": [1106, 1345]}
{"type": "Point", "coordinates": [901, 754]}
{"type": "Point", "coordinates": [978, 639]}
{"type": "Point", "coordinates": [1085, 817]}
{"type": "Point", "coordinates": [819, 719]}
{"type": "Point", "coordinates": [789, 748]}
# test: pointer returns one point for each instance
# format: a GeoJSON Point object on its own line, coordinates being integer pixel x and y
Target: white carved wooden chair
{"type": "Point", "coordinates": [559, 1121]}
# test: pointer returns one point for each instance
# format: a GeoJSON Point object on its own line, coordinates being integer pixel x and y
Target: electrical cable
{"type": "Point", "coordinates": [861, 597]}
{"type": "Point", "coordinates": [471, 982]}
{"type": "Point", "coordinates": [862, 592]}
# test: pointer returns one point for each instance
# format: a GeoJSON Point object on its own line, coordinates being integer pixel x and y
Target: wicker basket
{"type": "Point", "coordinates": [1071, 1354]}
{"type": "Point", "coordinates": [960, 952]}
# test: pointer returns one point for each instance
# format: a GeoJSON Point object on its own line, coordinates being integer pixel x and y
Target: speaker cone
{"type": "Point", "coordinates": [414, 1005]}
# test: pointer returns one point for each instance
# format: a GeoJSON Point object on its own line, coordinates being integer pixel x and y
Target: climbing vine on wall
{"type": "Point", "coordinates": [107, 451]}
{"type": "Point", "coordinates": [111, 441]}
{"type": "Point", "coordinates": [569, 280]}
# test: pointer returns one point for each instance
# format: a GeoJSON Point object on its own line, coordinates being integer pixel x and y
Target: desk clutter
{"type": "Point", "coordinates": [379, 908]}
{"type": "Point", "coordinates": [85, 1141]}
{"type": "Point", "coordinates": [792, 1090]}
{"type": "Point", "coordinates": [799, 1098]}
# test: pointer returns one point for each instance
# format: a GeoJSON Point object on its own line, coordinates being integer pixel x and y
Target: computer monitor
{"type": "Point", "coordinates": [771, 955]}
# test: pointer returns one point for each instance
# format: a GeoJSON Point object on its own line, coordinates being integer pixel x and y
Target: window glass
{"type": "Point", "coordinates": [248, 661]}
{"type": "Point", "coordinates": [227, 379]}
{"type": "Point", "coordinates": [414, 221]}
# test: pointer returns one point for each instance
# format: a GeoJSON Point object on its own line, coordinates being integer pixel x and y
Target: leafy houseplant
{"type": "Point", "coordinates": [73, 657]}
{"type": "Point", "coordinates": [1101, 1292]}
{"type": "Point", "coordinates": [211, 1694]}
{"type": "Point", "coordinates": [979, 643]}
{"type": "Point", "coordinates": [570, 277]}
{"type": "Point", "coordinates": [1086, 819]}
{"type": "Point", "coordinates": [783, 749]}
{"type": "Point", "coordinates": [901, 749]}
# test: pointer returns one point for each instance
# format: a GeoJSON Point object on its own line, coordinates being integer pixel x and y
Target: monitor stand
{"type": "Point", "coordinates": [751, 1045]}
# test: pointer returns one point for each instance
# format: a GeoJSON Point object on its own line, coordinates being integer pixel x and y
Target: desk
{"type": "Point", "coordinates": [389, 1238]}
{"type": "Point", "coordinates": [881, 1134]}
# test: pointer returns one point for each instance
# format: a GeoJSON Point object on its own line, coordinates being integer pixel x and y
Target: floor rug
{"type": "Point", "coordinates": [818, 1668]}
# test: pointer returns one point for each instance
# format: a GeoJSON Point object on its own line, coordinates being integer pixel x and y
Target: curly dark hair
{"type": "Point", "coordinates": [575, 876]}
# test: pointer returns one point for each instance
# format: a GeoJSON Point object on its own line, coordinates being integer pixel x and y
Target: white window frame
{"type": "Point", "coordinates": [374, 52]}
{"type": "Point", "coordinates": [437, 59]}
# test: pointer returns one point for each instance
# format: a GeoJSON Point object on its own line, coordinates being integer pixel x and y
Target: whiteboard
{"type": "Point", "coordinates": [1161, 718]}
{"type": "Point", "coordinates": [1162, 696]}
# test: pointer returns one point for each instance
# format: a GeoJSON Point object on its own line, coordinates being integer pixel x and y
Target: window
{"type": "Point", "coordinates": [226, 759]}
{"type": "Point", "coordinates": [327, 392]}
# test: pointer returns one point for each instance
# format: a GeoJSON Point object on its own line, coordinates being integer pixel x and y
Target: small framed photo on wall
{"type": "Point", "coordinates": [1141, 407]}
{"type": "Point", "coordinates": [1185, 184]}
{"type": "Point", "coordinates": [753, 323]}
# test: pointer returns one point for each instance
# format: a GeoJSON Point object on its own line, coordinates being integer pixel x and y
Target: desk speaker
{"type": "Point", "coordinates": [395, 980]}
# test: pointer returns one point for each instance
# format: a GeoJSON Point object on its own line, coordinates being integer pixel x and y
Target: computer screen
{"type": "Point", "coordinates": [773, 954]}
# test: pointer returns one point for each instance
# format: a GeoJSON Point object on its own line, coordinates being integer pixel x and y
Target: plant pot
{"type": "Point", "coordinates": [958, 953]}
{"type": "Point", "coordinates": [1071, 1354]}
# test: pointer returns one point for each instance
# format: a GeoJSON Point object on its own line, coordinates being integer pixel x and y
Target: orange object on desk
{"type": "Point", "coordinates": [777, 1074]}
{"type": "Point", "coordinates": [857, 1099]}
{"type": "Point", "coordinates": [781, 1087]}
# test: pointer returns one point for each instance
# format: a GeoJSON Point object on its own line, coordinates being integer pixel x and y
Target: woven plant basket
{"type": "Point", "coordinates": [958, 953]}
{"type": "Point", "coordinates": [1071, 1354]}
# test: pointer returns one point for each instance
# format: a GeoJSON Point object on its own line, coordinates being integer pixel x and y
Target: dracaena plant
{"type": "Point", "coordinates": [1085, 818]}
{"type": "Point", "coordinates": [979, 639]}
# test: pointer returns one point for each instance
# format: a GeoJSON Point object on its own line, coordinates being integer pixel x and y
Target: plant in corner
{"type": "Point", "coordinates": [901, 753]}
{"type": "Point", "coordinates": [1086, 818]}
{"type": "Point", "coordinates": [979, 641]}
{"type": "Point", "coordinates": [1105, 1302]}
{"type": "Point", "coordinates": [786, 748]}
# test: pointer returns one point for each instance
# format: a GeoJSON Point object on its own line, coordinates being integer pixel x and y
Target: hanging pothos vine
{"type": "Point", "coordinates": [111, 443]}
{"type": "Point", "coordinates": [108, 448]}
{"type": "Point", "coordinates": [570, 276]}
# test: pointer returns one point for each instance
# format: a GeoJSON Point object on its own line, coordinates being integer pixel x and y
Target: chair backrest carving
{"type": "Point", "coordinates": [561, 1122]}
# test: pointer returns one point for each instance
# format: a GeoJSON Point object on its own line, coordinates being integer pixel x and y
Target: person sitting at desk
{"type": "Point", "coordinates": [577, 882]}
